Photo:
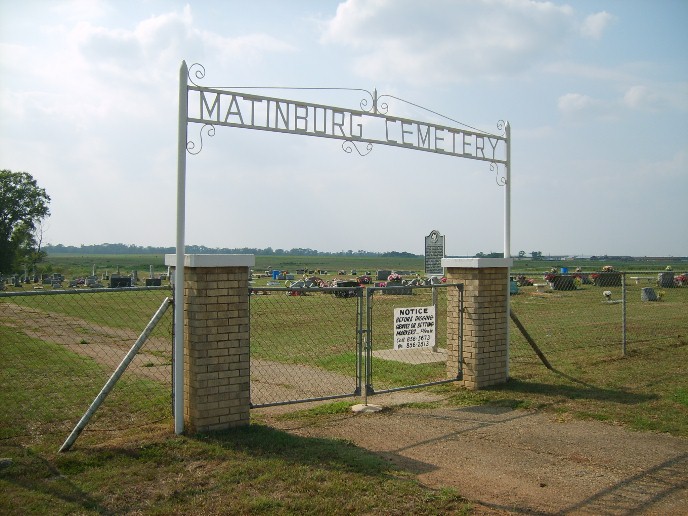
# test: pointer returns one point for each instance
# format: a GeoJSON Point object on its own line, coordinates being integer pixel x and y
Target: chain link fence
{"type": "Point", "coordinates": [59, 347]}
{"type": "Point", "coordinates": [580, 318]}
{"type": "Point", "coordinates": [305, 344]}
{"type": "Point", "coordinates": [396, 363]}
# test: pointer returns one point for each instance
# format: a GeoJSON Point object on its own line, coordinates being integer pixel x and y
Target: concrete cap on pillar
{"type": "Point", "coordinates": [213, 260]}
{"type": "Point", "coordinates": [476, 263]}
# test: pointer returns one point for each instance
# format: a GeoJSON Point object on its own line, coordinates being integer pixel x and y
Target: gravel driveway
{"type": "Point", "coordinates": [515, 461]}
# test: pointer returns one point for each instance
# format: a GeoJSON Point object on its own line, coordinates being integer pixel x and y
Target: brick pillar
{"type": "Point", "coordinates": [216, 341]}
{"type": "Point", "coordinates": [485, 320]}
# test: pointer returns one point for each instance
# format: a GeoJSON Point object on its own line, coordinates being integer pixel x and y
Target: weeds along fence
{"type": "Point", "coordinates": [59, 347]}
{"type": "Point", "coordinates": [597, 318]}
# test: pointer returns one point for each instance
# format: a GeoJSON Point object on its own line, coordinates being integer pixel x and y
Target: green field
{"type": "Point", "coordinates": [75, 265]}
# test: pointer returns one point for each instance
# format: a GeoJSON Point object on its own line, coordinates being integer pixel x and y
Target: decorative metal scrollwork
{"type": "Point", "coordinates": [501, 126]}
{"type": "Point", "coordinates": [191, 146]}
{"type": "Point", "coordinates": [196, 70]}
{"type": "Point", "coordinates": [348, 146]}
{"type": "Point", "coordinates": [500, 176]}
{"type": "Point", "coordinates": [377, 108]}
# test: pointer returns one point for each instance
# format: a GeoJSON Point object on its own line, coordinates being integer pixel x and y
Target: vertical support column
{"type": "Point", "coordinates": [178, 350]}
{"type": "Point", "coordinates": [485, 320]}
{"type": "Point", "coordinates": [216, 341]}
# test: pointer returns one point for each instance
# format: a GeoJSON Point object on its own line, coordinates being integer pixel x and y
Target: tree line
{"type": "Point", "coordinates": [119, 248]}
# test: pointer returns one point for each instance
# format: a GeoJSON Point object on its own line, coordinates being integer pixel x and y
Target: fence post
{"type": "Point", "coordinates": [216, 341]}
{"type": "Point", "coordinates": [485, 320]}
{"type": "Point", "coordinates": [623, 314]}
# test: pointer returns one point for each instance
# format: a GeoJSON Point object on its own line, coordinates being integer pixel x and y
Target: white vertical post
{"type": "Point", "coordinates": [179, 260]}
{"type": "Point", "coordinates": [507, 240]}
{"type": "Point", "coordinates": [507, 195]}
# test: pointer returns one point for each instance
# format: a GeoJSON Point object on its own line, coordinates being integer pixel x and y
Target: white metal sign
{"type": "Point", "coordinates": [232, 109]}
{"type": "Point", "coordinates": [414, 327]}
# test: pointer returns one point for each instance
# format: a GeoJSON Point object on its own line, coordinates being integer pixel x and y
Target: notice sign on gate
{"type": "Point", "coordinates": [414, 327]}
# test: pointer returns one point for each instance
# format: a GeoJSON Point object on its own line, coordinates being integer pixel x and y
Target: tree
{"type": "Point", "coordinates": [23, 206]}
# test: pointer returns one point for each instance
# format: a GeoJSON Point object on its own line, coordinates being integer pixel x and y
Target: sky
{"type": "Point", "coordinates": [595, 92]}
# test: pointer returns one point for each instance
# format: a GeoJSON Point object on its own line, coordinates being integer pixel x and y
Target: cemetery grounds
{"type": "Point", "coordinates": [311, 458]}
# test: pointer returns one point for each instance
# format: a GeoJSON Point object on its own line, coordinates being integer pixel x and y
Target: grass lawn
{"type": "Point", "coordinates": [125, 463]}
{"type": "Point", "coordinates": [144, 468]}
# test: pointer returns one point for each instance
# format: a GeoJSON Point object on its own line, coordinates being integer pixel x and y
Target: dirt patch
{"type": "Point", "coordinates": [105, 345]}
{"type": "Point", "coordinates": [515, 461]}
{"type": "Point", "coordinates": [277, 382]}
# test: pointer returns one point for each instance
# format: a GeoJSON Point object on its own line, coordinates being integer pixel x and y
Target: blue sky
{"type": "Point", "coordinates": [596, 94]}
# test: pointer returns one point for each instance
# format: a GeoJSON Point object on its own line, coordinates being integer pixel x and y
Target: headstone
{"type": "Point", "coordinates": [648, 294]}
{"type": "Point", "coordinates": [434, 252]}
{"type": "Point", "coordinates": [382, 275]}
{"type": "Point", "coordinates": [120, 281]}
{"type": "Point", "coordinates": [665, 279]}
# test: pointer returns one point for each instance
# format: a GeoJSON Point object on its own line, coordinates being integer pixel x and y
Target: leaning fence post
{"type": "Point", "coordinates": [115, 376]}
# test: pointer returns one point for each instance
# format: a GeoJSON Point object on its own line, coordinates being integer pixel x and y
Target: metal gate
{"type": "Point", "coordinates": [305, 344]}
{"type": "Point", "coordinates": [414, 333]}
{"type": "Point", "coordinates": [311, 344]}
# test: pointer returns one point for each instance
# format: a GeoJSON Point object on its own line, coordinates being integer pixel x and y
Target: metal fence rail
{"type": "Point", "coordinates": [63, 345]}
{"type": "Point", "coordinates": [391, 369]}
{"type": "Point", "coordinates": [305, 344]}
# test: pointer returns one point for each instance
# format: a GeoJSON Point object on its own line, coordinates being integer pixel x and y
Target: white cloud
{"type": "Point", "coordinates": [449, 41]}
{"type": "Point", "coordinates": [655, 98]}
{"type": "Point", "coordinates": [673, 168]}
{"type": "Point", "coordinates": [638, 96]}
{"type": "Point", "coordinates": [79, 10]}
{"type": "Point", "coordinates": [161, 41]}
{"type": "Point", "coordinates": [589, 71]}
{"type": "Point", "coordinates": [667, 96]}
{"type": "Point", "coordinates": [595, 24]}
{"type": "Point", "coordinates": [575, 102]}
{"type": "Point", "coordinates": [92, 71]}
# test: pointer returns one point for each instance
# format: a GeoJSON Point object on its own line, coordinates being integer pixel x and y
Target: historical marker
{"type": "Point", "coordinates": [434, 252]}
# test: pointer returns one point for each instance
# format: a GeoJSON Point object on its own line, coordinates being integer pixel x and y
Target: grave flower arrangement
{"type": "Point", "coordinates": [394, 278]}
{"type": "Point", "coordinates": [608, 277]}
